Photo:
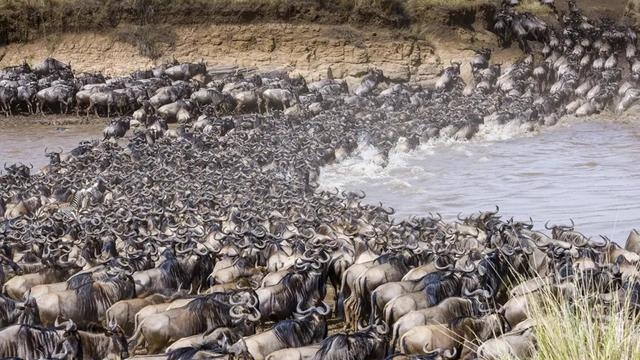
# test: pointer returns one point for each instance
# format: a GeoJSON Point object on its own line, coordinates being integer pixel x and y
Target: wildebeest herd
{"type": "Point", "coordinates": [213, 240]}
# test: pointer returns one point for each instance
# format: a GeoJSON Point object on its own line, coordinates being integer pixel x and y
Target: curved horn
{"type": "Point", "coordinates": [546, 226]}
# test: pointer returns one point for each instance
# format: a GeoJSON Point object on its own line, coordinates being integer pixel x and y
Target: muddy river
{"type": "Point", "coordinates": [588, 172]}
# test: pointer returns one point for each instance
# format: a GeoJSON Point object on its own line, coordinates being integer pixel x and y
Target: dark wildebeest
{"type": "Point", "coordinates": [8, 96]}
{"type": "Point", "coordinates": [369, 343]}
{"type": "Point", "coordinates": [116, 129]}
{"type": "Point", "coordinates": [369, 82]}
{"type": "Point", "coordinates": [111, 343]}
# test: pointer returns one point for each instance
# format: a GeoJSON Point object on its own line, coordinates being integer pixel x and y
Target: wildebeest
{"type": "Point", "coordinates": [28, 342]}
{"type": "Point", "coordinates": [203, 313]}
{"type": "Point", "coordinates": [309, 328]}
{"type": "Point", "coordinates": [368, 343]}
{"type": "Point", "coordinates": [116, 129]}
{"type": "Point", "coordinates": [86, 303]}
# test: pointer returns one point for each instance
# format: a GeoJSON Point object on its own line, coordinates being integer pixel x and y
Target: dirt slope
{"type": "Point", "coordinates": [410, 54]}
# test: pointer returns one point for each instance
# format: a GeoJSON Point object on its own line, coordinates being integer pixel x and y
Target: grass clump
{"type": "Point", "coordinates": [534, 7]}
{"type": "Point", "coordinates": [151, 41]}
{"type": "Point", "coordinates": [584, 325]}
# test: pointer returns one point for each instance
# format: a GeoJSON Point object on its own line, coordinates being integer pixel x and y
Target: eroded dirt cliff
{"type": "Point", "coordinates": [301, 48]}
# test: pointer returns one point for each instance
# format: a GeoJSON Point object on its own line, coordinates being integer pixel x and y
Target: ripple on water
{"type": "Point", "coordinates": [588, 172]}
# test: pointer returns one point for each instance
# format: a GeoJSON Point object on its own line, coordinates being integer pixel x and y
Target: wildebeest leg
{"type": "Point", "coordinates": [108, 110]}
{"type": "Point", "coordinates": [523, 44]}
{"type": "Point", "coordinates": [9, 107]}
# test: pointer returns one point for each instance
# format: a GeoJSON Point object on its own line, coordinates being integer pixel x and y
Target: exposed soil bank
{"type": "Point", "coordinates": [408, 40]}
{"type": "Point", "coordinates": [306, 49]}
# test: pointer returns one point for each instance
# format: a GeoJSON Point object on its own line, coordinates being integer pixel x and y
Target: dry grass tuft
{"type": "Point", "coordinates": [534, 7]}
{"type": "Point", "coordinates": [584, 325]}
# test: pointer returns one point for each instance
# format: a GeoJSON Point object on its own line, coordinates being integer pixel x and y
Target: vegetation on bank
{"type": "Point", "coordinates": [23, 20]}
{"type": "Point", "coordinates": [572, 322]}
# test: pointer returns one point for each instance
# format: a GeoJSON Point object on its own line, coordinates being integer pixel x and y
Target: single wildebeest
{"type": "Point", "coordinates": [109, 99]}
{"type": "Point", "coordinates": [201, 314]}
{"type": "Point", "coordinates": [211, 97]}
{"type": "Point", "coordinates": [364, 344]}
{"type": "Point", "coordinates": [28, 342]}
{"type": "Point", "coordinates": [278, 99]}
{"type": "Point", "coordinates": [309, 328]}
{"type": "Point", "coordinates": [59, 95]}
{"type": "Point", "coordinates": [116, 129]}
{"type": "Point", "coordinates": [49, 66]}
{"type": "Point", "coordinates": [369, 83]}
{"type": "Point", "coordinates": [185, 71]}
{"type": "Point", "coordinates": [8, 96]}
{"type": "Point", "coordinates": [109, 344]}
{"type": "Point", "coordinates": [88, 302]}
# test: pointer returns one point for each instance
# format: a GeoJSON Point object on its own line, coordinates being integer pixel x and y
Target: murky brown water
{"type": "Point", "coordinates": [26, 142]}
{"type": "Point", "coordinates": [588, 172]}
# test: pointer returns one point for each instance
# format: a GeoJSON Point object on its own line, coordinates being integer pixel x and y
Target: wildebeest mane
{"type": "Point", "coordinates": [171, 273]}
{"type": "Point", "coordinates": [294, 286]}
{"type": "Point", "coordinates": [31, 342]}
{"type": "Point", "coordinates": [440, 285]}
{"type": "Point", "coordinates": [215, 312]}
{"type": "Point", "coordinates": [496, 268]}
{"type": "Point", "coordinates": [357, 345]}
{"type": "Point", "coordinates": [188, 353]}
{"type": "Point", "coordinates": [461, 307]}
{"type": "Point", "coordinates": [7, 310]}
{"type": "Point", "coordinates": [94, 295]}
{"type": "Point", "coordinates": [297, 332]}
{"type": "Point", "coordinates": [79, 280]}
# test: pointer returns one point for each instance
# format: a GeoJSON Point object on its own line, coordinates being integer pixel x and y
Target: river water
{"type": "Point", "coordinates": [26, 143]}
{"type": "Point", "coordinates": [588, 172]}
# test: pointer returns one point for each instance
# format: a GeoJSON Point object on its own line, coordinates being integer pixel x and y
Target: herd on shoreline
{"type": "Point", "coordinates": [213, 241]}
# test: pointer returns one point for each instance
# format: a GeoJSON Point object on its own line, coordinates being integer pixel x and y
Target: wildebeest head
{"type": "Point", "coordinates": [54, 156]}
{"type": "Point", "coordinates": [18, 171]}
